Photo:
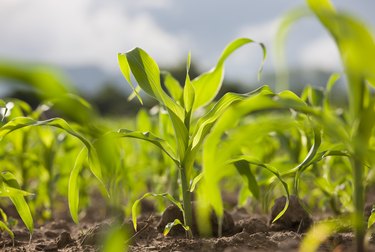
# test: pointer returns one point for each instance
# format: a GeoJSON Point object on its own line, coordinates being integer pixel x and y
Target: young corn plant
{"type": "Point", "coordinates": [357, 50]}
{"type": "Point", "coordinates": [181, 103]}
{"type": "Point", "coordinates": [10, 188]}
{"type": "Point", "coordinates": [49, 85]}
{"type": "Point", "coordinates": [226, 147]}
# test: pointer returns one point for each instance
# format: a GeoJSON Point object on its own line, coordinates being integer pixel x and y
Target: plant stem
{"type": "Point", "coordinates": [186, 198]}
{"type": "Point", "coordinates": [359, 202]}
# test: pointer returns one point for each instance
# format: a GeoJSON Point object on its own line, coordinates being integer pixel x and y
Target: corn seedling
{"type": "Point", "coordinates": [180, 103]}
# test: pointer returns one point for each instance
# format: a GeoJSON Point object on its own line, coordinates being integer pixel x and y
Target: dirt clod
{"type": "Point", "coordinates": [253, 225]}
{"type": "Point", "coordinates": [64, 240]}
{"type": "Point", "coordinates": [294, 219]}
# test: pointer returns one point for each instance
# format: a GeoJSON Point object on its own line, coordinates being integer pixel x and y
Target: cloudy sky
{"type": "Point", "coordinates": [92, 32]}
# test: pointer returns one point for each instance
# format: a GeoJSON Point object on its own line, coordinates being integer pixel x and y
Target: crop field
{"type": "Point", "coordinates": [256, 171]}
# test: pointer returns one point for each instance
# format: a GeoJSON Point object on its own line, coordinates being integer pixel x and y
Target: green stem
{"type": "Point", "coordinates": [359, 202]}
{"type": "Point", "coordinates": [186, 198]}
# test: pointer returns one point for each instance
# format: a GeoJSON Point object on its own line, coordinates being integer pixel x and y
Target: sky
{"type": "Point", "coordinates": [91, 32]}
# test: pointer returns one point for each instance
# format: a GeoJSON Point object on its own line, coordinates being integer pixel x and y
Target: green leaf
{"type": "Point", "coordinates": [314, 96]}
{"type": "Point", "coordinates": [147, 74]}
{"type": "Point", "coordinates": [244, 170]}
{"type": "Point", "coordinates": [143, 121]}
{"type": "Point", "coordinates": [356, 45]}
{"type": "Point", "coordinates": [208, 84]}
{"type": "Point", "coordinates": [189, 93]}
{"type": "Point", "coordinates": [125, 69]}
{"type": "Point", "coordinates": [205, 123]}
{"type": "Point", "coordinates": [195, 182]}
{"type": "Point", "coordinates": [371, 219]}
{"type": "Point", "coordinates": [4, 227]}
{"type": "Point", "coordinates": [317, 235]}
{"type": "Point", "coordinates": [173, 86]}
{"type": "Point", "coordinates": [170, 225]}
{"type": "Point", "coordinates": [18, 200]}
{"type": "Point", "coordinates": [146, 195]}
{"type": "Point", "coordinates": [290, 18]}
{"type": "Point", "coordinates": [115, 240]}
{"type": "Point", "coordinates": [330, 83]}
{"type": "Point", "coordinates": [73, 186]}
{"type": "Point", "coordinates": [149, 137]}
{"type": "Point", "coordinates": [181, 132]}
{"type": "Point", "coordinates": [8, 191]}
{"type": "Point", "coordinates": [250, 160]}
{"type": "Point", "coordinates": [307, 161]}
{"type": "Point", "coordinates": [21, 122]}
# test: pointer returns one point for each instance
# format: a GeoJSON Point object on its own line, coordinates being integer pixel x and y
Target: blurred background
{"type": "Point", "coordinates": [81, 39]}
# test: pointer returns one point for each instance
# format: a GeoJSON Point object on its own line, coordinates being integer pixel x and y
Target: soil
{"type": "Point", "coordinates": [243, 233]}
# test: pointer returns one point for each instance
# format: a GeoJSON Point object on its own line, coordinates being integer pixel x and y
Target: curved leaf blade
{"type": "Point", "coordinates": [18, 199]}
{"type": "Point", "coordinates": [73, 186]}
{"type": "Point", "coordinates": [149, 137]}
{"type": "Point", "coordinates": [208, 84]}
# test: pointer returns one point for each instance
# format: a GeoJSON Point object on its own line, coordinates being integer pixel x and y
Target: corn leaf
{"type": "Point", "coordinates": [208, 84]}
{"type": "Point", "coordinates": [170, 225]}
{"type": "Point", "coordinates": [73, 186]}
{"type": "Point", "coordinates": [9, 191]}
{"type": "Point", "coordinates": [149, 137]}
{"type": "Point", "coordinates": [189, 92]}
{"type": "Point", "coordinates": [18, 200]}
{"type": "Point", "coordinates": [146, 195]}
{"type": "Point", "coordinates": [243, 168]}
{"type": "Point", "coordinates": [143, 121]}
{"type": "Point", "coordinates": [4, 227]}
{"type": "Point", "coordinates": [317, 235]}
{"type": "Point", "coordinates": [290, 18]}
{"type": "Point", "coordinates": [205, 124]}
{"type": "Point", "coordinates": [125, 69]}
{"type": "Point", "coordinates": [115, 240]}
{"type": "Point", "coordinates": [371, 219]}
{"type": "Point", "coordinates": [330, 83]}
{"type": "Point", "coordinates": [147, 74]}
{"type": "Point", "coordinates": [356, 45]}
{"type": "Point", "coordinates": [173, 86]}
{"type": "Point", "coordinates": [247, 159]}
{"type": "Point", "coordinates": [21, 122]}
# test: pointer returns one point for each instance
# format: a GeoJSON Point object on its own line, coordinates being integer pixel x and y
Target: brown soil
{"type": "Point", "coordinates": [248, 233]}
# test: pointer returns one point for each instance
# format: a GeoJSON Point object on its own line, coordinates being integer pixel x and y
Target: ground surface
{"type": "Point", "coordinates": [249, 233]}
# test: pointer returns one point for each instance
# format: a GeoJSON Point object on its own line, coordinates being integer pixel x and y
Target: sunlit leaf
{"type": "Point", "coordinates": [317, 235]}
{"type": "Point", "coordinates": [18, 200]}
{"type": "Point", "coordinates": [115, 240]}
{"type": "Point", "coordinates": [371, 219]}
{"type": "Point", "coordinates": [173, 86]}
{"type": "Point", "coordinates": [170, 225]}
{"type": "Point", "coordinates": [290, 18]}
{"type": "Point", "coordinates": [147, 74]}
{"type": "Point", "coordinates": [243, 168]}
{"type": "Point", "coordinates": [4, 227]}
{"type": "Point", "coordinates": [21, 122]}
{"type": "Point", "coordinates": [149, 137]}
{"type": "Point", "coordinates": [189, 92]}
{"type": "Point", "coordinates": [356, 45]}
{"type": "Point", "coordinates": [125, 69]}
{"type": "Point", "coordinates": [208, 84]}
{"type": "Point", "coordinates": [73, 186]}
